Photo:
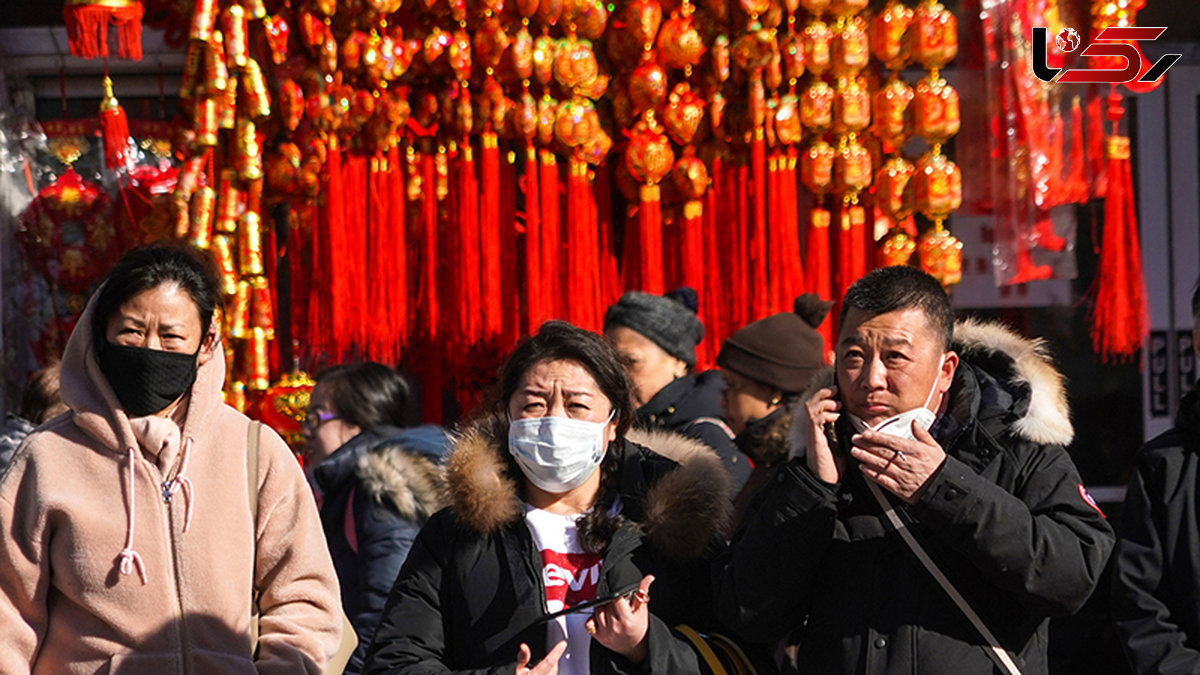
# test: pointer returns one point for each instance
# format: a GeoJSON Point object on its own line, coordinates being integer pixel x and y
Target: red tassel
{"type": "Point", "coordinates": [356, 312]}
{"type": "Point", "coordinates": [1076, 184]}
{"type": "Point", "coordinates": [793, 266]}
{"type": "Point", "coordinates": [611, 285]}
{"type": "Point", "coordinates": [741, 311]}
{"type": "Point", "coordinates": [114, 129]}
{"type": "Point", "coordinates": [509, 271]}
{"type": "Point", "coordinates": [551, 240]}
{"type": "Point", "coordinates": [691, 258]}
{"type": "Point", "coordinates": [338, 279]}
{"type": "Point", "coordinates": [712, 300]}
{"type": "Point", "coordinates": [398, 253]}
{"type": "Point", "coordinates": [1095, 148]}
{"type": "Point", "coordinates": [775, 280]}
{"type": "Point", "coordinates": [1119, 316]}
{"type": "Point", "coordinates": [428, 289]}
{"type": "Point", "coordinates": [816, 249]}
{"type": "Point", "coordinates": [492, 307]}
{"type": "Point", "coordinates": [650, 253]}
{"type": "Point", "coordinates": [87, 28]}
{"type": "Point", "coordinates": [757, 239]}
{"type": "Point", "coordinates": [535, 312]}
{"type": "Point", "coordinates": [581, 246]}
{"type": "Point", "coordinates": [470, 246]}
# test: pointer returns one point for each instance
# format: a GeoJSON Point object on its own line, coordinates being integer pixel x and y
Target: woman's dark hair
{"type": "Point", "coordinates": [370, 395]}
{"type": "Point", "coordinates": [42, 399]}
{"type": "Point", "coordinates": [151, 266]}
{"type": "Point", "coordinates": [560, 341]}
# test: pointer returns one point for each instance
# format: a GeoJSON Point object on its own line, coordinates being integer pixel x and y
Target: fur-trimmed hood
{"type": "Point", "coordinates": [1022, 366]}
{"type": "Point", "coordinates": [683, 486]}
{"type": "Point", "coordinates": [411, 482]}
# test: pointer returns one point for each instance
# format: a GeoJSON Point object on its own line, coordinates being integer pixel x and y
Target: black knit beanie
{"type": "Point", "coordinates": [782, 351]}
{"type": "Point", "coordinates": [668, 321]}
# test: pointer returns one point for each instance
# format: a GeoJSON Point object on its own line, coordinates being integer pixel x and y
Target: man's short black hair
{"type": "Point", "coordinates": [890, 289]}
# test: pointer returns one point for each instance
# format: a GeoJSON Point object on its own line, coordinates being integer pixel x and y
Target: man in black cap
{"type": "Point", "coordinates": [657, 337]}
{"type": "Point", "coordinates": [929, 519]}
{"type": "Point", "coordinates": [1156, 570]}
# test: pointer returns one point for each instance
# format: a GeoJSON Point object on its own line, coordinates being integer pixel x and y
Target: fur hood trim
{"type": "Point", "coordinates": [683, 509]}
{"type": "Point", "coordinates": [411, 482]}
{"type": "Point", "coordinates": [1048, 417]}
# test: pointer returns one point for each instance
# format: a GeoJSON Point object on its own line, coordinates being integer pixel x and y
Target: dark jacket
{"type": "Point", "coordinates": [394, 493]}
{"type": "Point", "coordinates": [691, 405]}
{"type": "Point", "coordinates": [764, 441]}
{"type": "Point", "coordinates": [15, 430]}
{"type": "Point", "coordinates": [1156, 573]}
{"type": "Point", "coordinates": [1005, 518]}
{"type": "Point", "coordinates": [471, 590]}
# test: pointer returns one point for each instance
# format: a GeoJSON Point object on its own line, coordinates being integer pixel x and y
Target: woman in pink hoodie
{"type": "Point", "coordinates": [130, 544]}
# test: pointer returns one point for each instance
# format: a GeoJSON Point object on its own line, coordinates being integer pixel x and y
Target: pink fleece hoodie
{"type": "Point", "coordinates": [128, 545]}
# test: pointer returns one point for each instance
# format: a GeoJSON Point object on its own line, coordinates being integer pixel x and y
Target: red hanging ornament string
{"type": "Point", "coordinates": [380, 266]}
{"type": "Point", "coordinates": [611, 285]}
{"type": "Point", "coordinates": [650, 268]}
{"type": "Point", "coordinates": [712, 300]}
{"type": "Point", "coordinates": [87, 27]}
{"type": "Point", "coordinates": [1119, 320]}
{"type": "Point", "coordinates": [535, 302]}
{"type": "Point", "coordinates": [551, 248]}
{"type": "Point", "coordinates": [581, 253]}
{"type": "Point", "coordinates": [592, 275]}
{"type": "Point", "coordinates": [430, 309]}
{"type": "Point", "coordinates": [358, 313]}
{"type": "Point", "coordinates": [492, 305]}
{"type": "Point", "coordinates": [740, 310]}
{"type": "Point", "coordinates": [338, 278]}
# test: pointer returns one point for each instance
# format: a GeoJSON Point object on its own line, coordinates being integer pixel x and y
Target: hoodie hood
{"type": "Point", "coordinates": [684, 505]}
{"type": "Point", "coordinates": [1031, 396]}
{"type": "Point", "coordinates": [96, 410]}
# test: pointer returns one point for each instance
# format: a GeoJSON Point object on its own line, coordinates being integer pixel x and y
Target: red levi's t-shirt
{"type": "Point", "coordinates": [570, 577]}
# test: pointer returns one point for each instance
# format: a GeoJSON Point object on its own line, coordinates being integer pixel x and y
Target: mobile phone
{"type": "Point", "coordinates": [589, 604]}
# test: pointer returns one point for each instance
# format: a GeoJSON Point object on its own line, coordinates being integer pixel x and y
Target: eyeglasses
{"type": "Point", "coordinates": [313, 420]}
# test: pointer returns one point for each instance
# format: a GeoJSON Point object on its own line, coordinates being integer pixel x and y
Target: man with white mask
{"type": "Point", "coordinates": [929, 519]}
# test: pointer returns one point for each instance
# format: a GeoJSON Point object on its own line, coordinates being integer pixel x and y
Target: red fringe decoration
{"type": "Point", "coordinates": [397, 253]}
{"type": "Point", "coordinates": [339, 253]}
{"type": "Point", "coordinates": [428, 288]}
{"type": "Point", "coordinates": [741, 311]}
{"type": "Point", "coordinates": [535, 302]}
{"type": "Point", "coordinates": [793, 267]}
{"type": "Point", "coordinates": [1095, 148]}
{"type": "Point", "coordinates": [775, 278]}
{"type": "Point", "coordinates": [1076, 187]}
{"type": "Point", "coordinates": [87, 29]}
{"type": "Point", "coordinates": [611, 284]}
{"type": "Point", "coordinates": [757, 239]}
{"type": "Point", "coordinates": [492, 305]}
{"type": "Point", "coordinates": [582, 245]}
{"type": "Point", "coordinates": [816, 248]}
{"type": "Point", "coordinates": [650, 245]}
{"type": "Point", "coordinates": [1119, 316]}
{"type": "Point", "coordinates": [509, 259]}
{"type": "Point", "coordinates": [691, 247]}
{"type": "Point", "coordinates": [470, 248]}
{"type": "Point", "coordinates": [712, 300]}
{"type": "Point", "coordinates": [551, 239]}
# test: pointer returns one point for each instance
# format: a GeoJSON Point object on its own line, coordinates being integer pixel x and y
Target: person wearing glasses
{"type": "Point", "coordinates": [378, 478]}
{"type": "Point", "coordinates": [129, 543]}
{"type": "Point", "coordinates": [554, 509]}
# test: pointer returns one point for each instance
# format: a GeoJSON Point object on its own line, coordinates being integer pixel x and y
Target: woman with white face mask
{"type": "Point", "coordinates": [568, 547]}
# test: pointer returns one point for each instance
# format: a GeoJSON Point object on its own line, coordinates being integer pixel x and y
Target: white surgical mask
{"type": "Point", "coordinates": [901, 425]}
{"type": "Point", "coordinates": [557, 454]}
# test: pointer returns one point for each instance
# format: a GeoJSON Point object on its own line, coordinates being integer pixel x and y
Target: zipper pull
{"type": "Point", "coordinates": [166, 491]}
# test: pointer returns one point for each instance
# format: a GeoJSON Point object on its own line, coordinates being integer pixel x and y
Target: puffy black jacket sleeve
{"type": "Point", "coordinates": [410, 637]}
{"type": "Point", "coordinates": [1043, 544]}
{"type": "Point", "coordinates": [1151, 634]}
{"type": "Point", "coordinates": [762, 582]}
{"type": "Point", "coordinates": [384, 540]}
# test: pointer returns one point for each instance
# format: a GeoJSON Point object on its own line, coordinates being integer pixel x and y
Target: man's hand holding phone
{"type": "Point", "coordinates": [823, 410]}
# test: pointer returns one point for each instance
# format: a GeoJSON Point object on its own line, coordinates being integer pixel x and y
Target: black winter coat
{"type": "Point", "coordinates": [1005, 518]}
{"type": "Point", "coordinates": [394, 493]}
{"type": "Point", "coordinates": [1156, 572]}
{"type": "Point", "coordinates": [471, 590]}
{"type": "Point", "coordinates": [691, 405]}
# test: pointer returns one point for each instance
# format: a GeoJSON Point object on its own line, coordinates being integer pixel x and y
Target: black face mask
{"type": "Point", "coordinates": [145, 380]}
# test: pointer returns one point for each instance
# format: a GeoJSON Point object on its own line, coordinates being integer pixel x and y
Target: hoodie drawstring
{"type": "Point", "coordinates": [129, 557]}
{"type": "Point", "coordinates": [181, 481]}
